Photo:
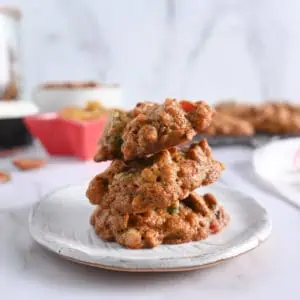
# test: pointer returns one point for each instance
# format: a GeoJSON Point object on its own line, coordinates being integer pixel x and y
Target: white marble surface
{"type": "Point", "coordinates": [27, 271]}
{"type": "Point", "coordinates": [247, 49]}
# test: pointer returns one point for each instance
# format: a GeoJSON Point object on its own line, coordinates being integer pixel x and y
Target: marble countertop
{"type": "Point", "coordinates": [27, 271]}
{"type": "Point", "coordinates": [193, 49]}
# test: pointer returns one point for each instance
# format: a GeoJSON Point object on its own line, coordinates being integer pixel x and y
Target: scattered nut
{"type": "Point", "coordinates": [29, 163]}
{"type": "Point", "coordinates": [4, 177]}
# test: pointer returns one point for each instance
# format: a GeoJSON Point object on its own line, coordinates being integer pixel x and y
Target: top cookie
{"type": "Point", "coordinates": [152, 127]}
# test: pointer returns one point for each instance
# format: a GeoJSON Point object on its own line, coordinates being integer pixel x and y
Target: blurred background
{"type": "Point", "coordinates": [192, 49]}
{"type": "Point", "coordinates": [56, 55]}
{"type": "Point", "coordinates": [58, 58]}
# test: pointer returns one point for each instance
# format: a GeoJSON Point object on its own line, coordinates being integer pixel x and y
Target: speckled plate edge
{"type": "Point", "coordinates": [257, 234]}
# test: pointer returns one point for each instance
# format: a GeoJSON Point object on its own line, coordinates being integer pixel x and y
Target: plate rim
{"type": "Point", "coordinates": [149, 270]}
{"type": "Point", "coordinates": [263, 227]}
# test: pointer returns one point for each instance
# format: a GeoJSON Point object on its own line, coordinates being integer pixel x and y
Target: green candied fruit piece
{"type": "Point", "coordinates": [173, 210]}
{"type": "Point", "coordinates": [118, 141]}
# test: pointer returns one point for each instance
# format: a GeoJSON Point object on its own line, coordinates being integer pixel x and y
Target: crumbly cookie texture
{"type": "Point", "coordinates": [271, 117]}
{"type": "Point", "coordinates": [154, 182]}
{"type": "Point", "coordinates": [193, 219]}
{"type": "Point", "coordinates": [111, 141]}
{"type": "Point", "coordinates": [152, 127]}
{"type": "Point", "coordinates": [223, 124]}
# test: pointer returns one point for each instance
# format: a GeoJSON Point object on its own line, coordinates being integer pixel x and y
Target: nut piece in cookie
{"type": "Point", "coordinates": [152, 127]}
{"type": "Point", "coordinates": [29, 163]}
{"type": "Point", "coordinates": [196, 218]}
{"type": "Point", "coordinates": [158, 181]}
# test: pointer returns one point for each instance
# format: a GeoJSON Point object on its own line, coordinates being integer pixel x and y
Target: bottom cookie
{"type": "Point", "coordinates": [192, 219]}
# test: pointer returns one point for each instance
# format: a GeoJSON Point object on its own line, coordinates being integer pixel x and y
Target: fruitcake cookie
{"type": "Point", "coordinates": [154, 182]}
{"type": "Point", "coordinates": [193, 219]}
{"type": "Point", "coordinates": [152, 127]}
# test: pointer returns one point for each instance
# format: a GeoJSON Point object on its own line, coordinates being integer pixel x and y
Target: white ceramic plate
{"type": "Point", "coordinates": [278, 163]}
{"type": "Point", "coordinates": [60, 222]}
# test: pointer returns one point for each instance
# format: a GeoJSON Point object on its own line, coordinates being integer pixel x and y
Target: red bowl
{"type": "Point", "coordinates": [66, 137]}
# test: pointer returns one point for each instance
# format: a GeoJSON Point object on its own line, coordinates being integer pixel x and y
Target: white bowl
{"type": "Point", "coordinates": [55, 98]}
{"type": "Point", "coordinates": [17, 109]}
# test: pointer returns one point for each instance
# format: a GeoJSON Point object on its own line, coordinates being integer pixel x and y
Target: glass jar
{"type": "Point", "coordinates": [9, 54]}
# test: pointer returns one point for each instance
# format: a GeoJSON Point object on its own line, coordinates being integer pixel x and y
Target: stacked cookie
{"type": "Point", "coordinates": [146, 196]}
